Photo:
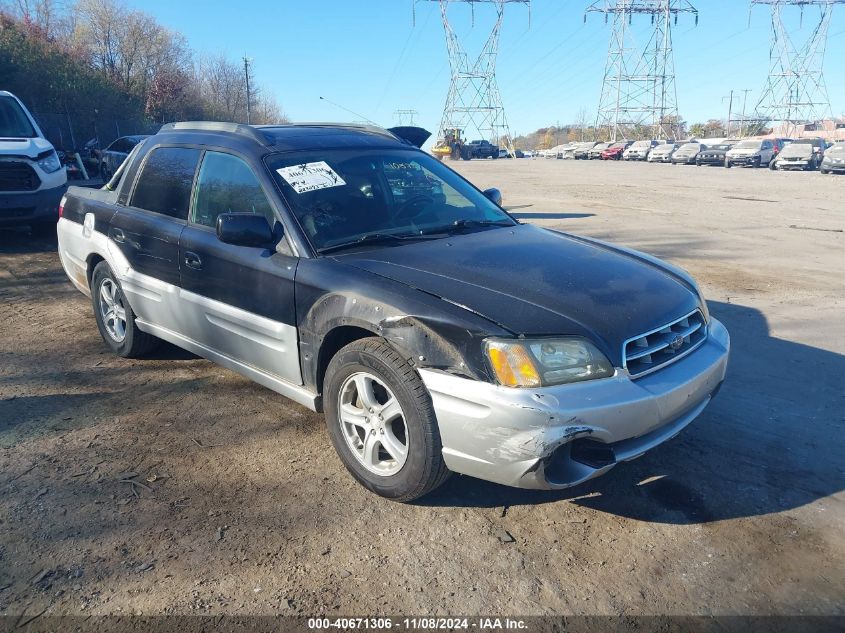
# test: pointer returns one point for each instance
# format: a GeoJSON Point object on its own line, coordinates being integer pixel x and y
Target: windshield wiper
{"type": "Point", "coordinates": [467, 223]}
{"type": "Point", "coordinates": [375, 238]}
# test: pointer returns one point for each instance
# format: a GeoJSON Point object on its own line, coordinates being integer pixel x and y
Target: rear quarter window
{"type": "Point", "coordinates": [164, 185]}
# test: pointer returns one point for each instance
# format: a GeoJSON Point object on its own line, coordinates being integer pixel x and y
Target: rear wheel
{"type": "Point", "coordinates": [381, 421]}
{"type": "Point", "coordinates": [115, 318]}
{"type": "Point", "coordinates": [824, 171]}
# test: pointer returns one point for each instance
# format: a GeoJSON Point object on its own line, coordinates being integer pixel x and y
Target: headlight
{"type": "Point", "coordinates": [545, 362]}
{"type": "Point", "coordinates": [49, 162]}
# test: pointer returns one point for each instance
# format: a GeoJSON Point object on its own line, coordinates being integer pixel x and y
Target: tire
{"type": "Point", "coordinates": [727, 164]}
{"type": "Point", "coordinates": [824, 171]}
{"type": "Point", "coordinates": [756, 163]}
{"type": "Point", "coordinates": [374, 362]}
{"type": "Point", "coordinates": [773, 165]}
{"type": "Point", "coordinates": [134, 343]}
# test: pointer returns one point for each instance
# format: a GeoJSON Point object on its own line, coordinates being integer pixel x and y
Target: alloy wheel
{"type": "Point", "coordinates": [373, 424]}
{"type": "Point", "coordinates": [113, 310]}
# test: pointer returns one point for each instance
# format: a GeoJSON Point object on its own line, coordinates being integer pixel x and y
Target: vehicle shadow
{"type": "Point", "coordinates": [21, 239]}
{"type": "Point", "coordinates": [769, 442]}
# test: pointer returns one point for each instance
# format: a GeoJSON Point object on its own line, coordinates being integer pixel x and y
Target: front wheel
{"type": "Point", "coordinates": [381, 421]}
{"type": "Point", "coordinates": [824, 171]}
{"type": "Point", "coordinates": [115, 318]}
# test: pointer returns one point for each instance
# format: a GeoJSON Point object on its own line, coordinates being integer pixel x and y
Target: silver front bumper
{"type": "Point", "coordinates": [538, 438]}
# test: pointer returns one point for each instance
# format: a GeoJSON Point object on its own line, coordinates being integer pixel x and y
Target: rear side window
{"type": "Point", "coordinates": [226, 184]}
{"type": "Point", "coordinates": [164, 185]}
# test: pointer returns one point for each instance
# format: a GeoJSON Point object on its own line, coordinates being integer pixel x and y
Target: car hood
{"type": "Point", "coordinates": [30, 147]}
{"type": "Point", "coordinates": [533, 281]}
{"type": "Point", "coordinates": [743, 151]}
{"type": "Point", "coordinates": [797, 150]}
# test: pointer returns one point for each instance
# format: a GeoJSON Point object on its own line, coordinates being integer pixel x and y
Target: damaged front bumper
{"type": "Point", "coordinates": [556, 437]}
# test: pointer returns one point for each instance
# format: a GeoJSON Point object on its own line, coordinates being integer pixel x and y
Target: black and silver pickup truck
{"type": "Point", "coordinates": [348, 270]}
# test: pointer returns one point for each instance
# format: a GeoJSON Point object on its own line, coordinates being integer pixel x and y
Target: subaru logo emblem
{"type": "Point", "coordinates": [677, 343]}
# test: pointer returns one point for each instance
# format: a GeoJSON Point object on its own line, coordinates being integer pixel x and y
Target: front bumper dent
{"type": "Point", "coordinates": [557, 437]}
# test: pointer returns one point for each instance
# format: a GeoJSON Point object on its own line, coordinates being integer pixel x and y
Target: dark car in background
{"type": "Point", "coordinates": [480, 149]}
{"type": "Point", "coordinates": [615, 151]}
{"type": "Point", "coordinates": [114, 155]}
{"type": "Point", "coordinates": [714, 154]}
{"type": "Point", "coordinates": [687, 153]}
{"type": "Point", "coordinates": [834, 159]}
{"type": "Point", "coordinates": [348, 270]}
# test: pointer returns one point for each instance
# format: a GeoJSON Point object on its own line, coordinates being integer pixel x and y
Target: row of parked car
{"type": "Point", "coordinates": [776, 153]}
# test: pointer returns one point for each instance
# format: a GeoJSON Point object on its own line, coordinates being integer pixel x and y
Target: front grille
{"type": "Point", "coordinates": [654, 349]}
{"type": "Point", "coordinates": [18, 176]}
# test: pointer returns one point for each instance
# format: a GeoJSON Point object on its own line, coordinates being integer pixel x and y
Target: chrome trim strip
{"type": "Point", "coordinates": [654, 331]}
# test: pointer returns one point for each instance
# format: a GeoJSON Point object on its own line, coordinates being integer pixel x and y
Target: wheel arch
{"type": "Point", "coordinates": [335, 340]}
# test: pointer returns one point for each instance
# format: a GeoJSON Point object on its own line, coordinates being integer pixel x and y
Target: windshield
{"type": "Point", "coordinates": [839, 148]}
{"type": "Point", "coordinates": [747, 145]}
{"type": "Point", "coordinates": [13, 120]}
{"type": "Point", "coordinates": [640, 144]}
{"type": "Point", "coordinates": [344, 196]}
{"type": "Point", "coordinates": [664, 148]}
{"type": "Point", "coordinates": [721, 146]}
{"type": "Point", "coordinates": [686, 147]}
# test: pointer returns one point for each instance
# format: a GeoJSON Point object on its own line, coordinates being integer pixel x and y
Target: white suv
{"type": "Point", "coordinates": [32, 178]}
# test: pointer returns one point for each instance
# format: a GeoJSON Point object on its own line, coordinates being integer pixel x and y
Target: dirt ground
{"type": "Point", "coordinates": [245, 509]}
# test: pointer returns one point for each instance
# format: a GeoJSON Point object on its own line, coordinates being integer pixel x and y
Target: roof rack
{"type": "Point", "coordinates": [216, 126]}
{"type": "Point", "coordinates": [366, 127]}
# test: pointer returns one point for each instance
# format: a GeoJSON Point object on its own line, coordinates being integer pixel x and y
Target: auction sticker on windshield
{"type": "Point", "coordinates": [310, 177]}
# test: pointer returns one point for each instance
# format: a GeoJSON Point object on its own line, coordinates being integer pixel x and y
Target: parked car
{"type": "Point", "coordinates": [114, 155]}
{"type": "Point", "coordinates": [834, 159]}
{"type": "Point", "coordinates": [567, 152]}
{"type": "Point", "coordinates": [750, 152]}
{"type": "Point", "coordinates": [687, 153]}
{"type": "Point", "coordinates": [596, 151]}
{"type": "Point", "coordinates": [582, 151]}
{"type": "Point", "coordinates": [662, 153]}
{"type": "Point", "coordinates": [529, 153]}
{"type": "Point", "coordinates": [714, 154]}
{"type": "Point", "coordinates": [639, 150]}
{"type": "Point", "coordinates": [479, 149]}
{"type": "Point", "coordinates": [614, 151]}
{"type": "Point", "coordinates": [803, 153]}
{"type": "Point", "coordinates": [32, 178]}
{"type": "Point", "coordinates": [326, 263]}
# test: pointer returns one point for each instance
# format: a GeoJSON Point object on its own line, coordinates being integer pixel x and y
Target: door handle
{"type": "Point", "coordinates": [192, 260]}
{"type": "Point", "coordinates": [118, 236]}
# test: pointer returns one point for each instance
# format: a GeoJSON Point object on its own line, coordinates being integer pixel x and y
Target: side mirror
{"type": "Point", "coordinates": [244, 229]}
{"type": "Point", "coordinates": [495, 195]}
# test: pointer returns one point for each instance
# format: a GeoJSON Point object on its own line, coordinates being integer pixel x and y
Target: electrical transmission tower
{"type": "Point", "coordinates": [473, 101]}
{"type": "Point", "coordinates": [795, 92]}
{"type": "Point", "coordinates": [405, 117]}
{"type": "Point", "coordinates": [638, 96]}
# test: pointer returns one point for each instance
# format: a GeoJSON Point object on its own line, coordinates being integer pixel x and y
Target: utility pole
{"type": "Point", "coordinates": [246, 76]}
{"type": "Point", "coordinates": [795, 93]}
{"type": "Point", "coordinates": [730, 111]}
{"type": "Point", "coordinates": [638, 91]}
{"type": "Point", "coordinates": [473, 101]}
{"type": "Point", "coordinates": [745, 92]}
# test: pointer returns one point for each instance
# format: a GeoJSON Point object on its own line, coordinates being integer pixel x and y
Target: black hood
{"type": "Point", "coordinates": [532, 281]}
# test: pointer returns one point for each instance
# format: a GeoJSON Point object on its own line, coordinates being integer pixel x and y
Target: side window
{"type": "Point", "coordinates": [767, 145]}
{"type": "Point", "coordinates": [226, 184]}
{"type": "Point", "coordinates": [164, 185]}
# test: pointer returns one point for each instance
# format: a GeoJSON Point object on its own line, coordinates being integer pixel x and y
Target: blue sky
{"type": "Point", "coordinates": [368, 56]}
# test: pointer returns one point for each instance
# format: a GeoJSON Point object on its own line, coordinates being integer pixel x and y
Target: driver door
{"type": "Point", "coordinates": [239, 300]}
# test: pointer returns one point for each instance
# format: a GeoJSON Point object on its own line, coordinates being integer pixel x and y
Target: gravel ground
{"type": "Point", "coordinates": [243, 508]}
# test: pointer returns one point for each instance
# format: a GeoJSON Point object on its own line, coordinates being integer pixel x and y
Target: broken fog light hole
{"type": "Point", "coordinates": [592, 453]}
